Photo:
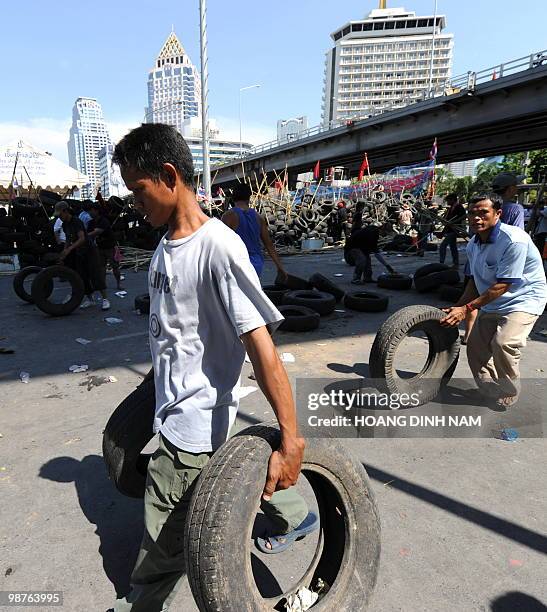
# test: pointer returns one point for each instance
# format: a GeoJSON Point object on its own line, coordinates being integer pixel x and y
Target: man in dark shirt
{"type": "Point", "coordinates": [360, 245]}
{"type": "Point", "coordinates": [81, 254]}
{"type": "Point", "coordinates": [100, 230]}
{"type": "Point", "coordinates": [456, 215]}
{"type": "Point", "coordinates": [506, 186]}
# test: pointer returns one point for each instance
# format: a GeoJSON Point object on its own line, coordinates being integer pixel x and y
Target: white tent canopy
{"type": "Point", "coordinates": [37, 166]}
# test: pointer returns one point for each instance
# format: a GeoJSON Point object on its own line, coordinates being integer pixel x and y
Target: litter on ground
{"type": "Point", "coordinates": [78, 368]}
{"type": "Point", "coordinates": [113, 320]}
{"type": "Point", "coordinates": [288, 358]}
{"type": "Point", "coordinates": [83, 341]}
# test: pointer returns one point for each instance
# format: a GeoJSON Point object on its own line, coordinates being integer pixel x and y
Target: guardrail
{"type": "Point", "coordinates": [463, 82]}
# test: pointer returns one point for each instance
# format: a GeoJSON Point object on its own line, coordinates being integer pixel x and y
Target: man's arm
{"type": "Point", "coordinates": [471, 296]}
{"type": "Point", "coordinates": [75, 245]}
{"type": "Point", "coordinates": [285, 463]}
{"type": "Point", "coordinates": [268, 244]}
{"type": "Point", "coordinates": [230, 219]}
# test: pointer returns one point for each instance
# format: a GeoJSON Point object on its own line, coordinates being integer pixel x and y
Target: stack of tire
{"type": "Point", "coordinates": [432, 277]}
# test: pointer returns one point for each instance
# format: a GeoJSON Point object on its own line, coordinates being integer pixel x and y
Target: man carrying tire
{"type": "Point", "coordinates": [359, 247]}
{"type": "Point", "coordinates": [100, 230]}
{"type": "Point", "coordinates": [206, 310]}
{"type": "Point", "coordinates": [507, 283]}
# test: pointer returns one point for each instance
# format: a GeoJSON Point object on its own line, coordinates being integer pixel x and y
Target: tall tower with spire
{"type": "Point", "coordinates": [174, 89]}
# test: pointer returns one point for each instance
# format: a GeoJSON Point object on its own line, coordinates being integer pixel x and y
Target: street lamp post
{"type": "Point", "coordinates": [432, 51]}
{"type": "Point", "coordinates": [205, 100]}
{"type": "Point", "coordinates": [240, 131]}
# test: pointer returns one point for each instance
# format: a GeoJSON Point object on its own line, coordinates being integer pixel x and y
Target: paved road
{"type": "Point", "coordinates": [464, 521]}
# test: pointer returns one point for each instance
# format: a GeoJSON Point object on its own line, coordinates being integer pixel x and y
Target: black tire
{"type": "Point", "coordinates": [217, 539]}
{"type": "Point", "coordinates": [142, 303]}
{"type": "Point", "coordinates": [322, 283]}
{"type": "Point", "coordinates": [8, 222]}
{"type": "Point", "coordinates": [127, 432]}
{"type": "Point", "coordinates": [319, 301]}
{"type": "Point", "coordinates": [431, 246]}
{"type": "Point", "coordinates": [22, 207]}
{"type": "Point", "coordinates": [444, 350]}
{"type": "Point", "coordinates": [365, 301]}
{"type": "Point", "coordinates": [49, 198]}
{"type": "Point", "coordinates": [275, 293]}
{"type": "Point", "coordinates": [19, 283]}
{"type": "Point", "coordinates": [298, 319]}
{"type": "Point", "coordinates": [292, 282]}
{"type": "Point", "coordinates": [11, 237]}
{"type": "Point", "coordinates": [431, 282]}
{"type": "Point", "coordinates": [451, 294]}
{"type": "Point", "coordinates": [41, 291]}
{"type": "Point", "coordinates": [394, 281]}
{"type": "Point", "coordinates": [429, 268]}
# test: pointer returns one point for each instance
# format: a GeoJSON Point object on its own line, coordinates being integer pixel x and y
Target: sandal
{"type": "Point", "coordinates": [280, 543]}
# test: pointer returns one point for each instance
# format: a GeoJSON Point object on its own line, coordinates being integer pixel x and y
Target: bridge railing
{"type": "Point", "coordinates": [463, 82]}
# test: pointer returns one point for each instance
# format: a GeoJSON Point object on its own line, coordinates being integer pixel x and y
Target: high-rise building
{"type": "Point", "coordinates": [384, 60]}
{"type": "Point", "coordinates": [462, 168]}
{"type": "Point", "coordinates": [88, 135]}
{"type": "Point", "coordinates": [110, 176]}
{"type": "Point", "coordinates": [174, 89]}
{"type": "Point", "coordinates": [288, 129]}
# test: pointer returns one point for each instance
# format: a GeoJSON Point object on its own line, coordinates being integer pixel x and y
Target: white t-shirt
{"type": "Point", "coordinates": [204, 294]}
{"type": "Point", "coordinates": [58, 231]}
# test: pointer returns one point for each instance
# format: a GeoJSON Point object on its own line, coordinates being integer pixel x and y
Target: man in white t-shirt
{"type": "Point", "coordinates": [206, 310]}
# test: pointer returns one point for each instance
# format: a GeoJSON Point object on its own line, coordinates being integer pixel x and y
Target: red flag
{"type": "Point", "coordinates": [316, 171]}
{"type": "Point", "coordinates": [363, 167]}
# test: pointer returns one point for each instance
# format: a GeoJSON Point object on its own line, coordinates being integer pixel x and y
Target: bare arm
{"type": "Point", "coordinates": [75, 245]}
{"type": "Point", "coordinates": [268, 244]}
{"type": "Point", "coordinates": [285, 463]}
{"type": "Point", "coordinates": [230, 219]}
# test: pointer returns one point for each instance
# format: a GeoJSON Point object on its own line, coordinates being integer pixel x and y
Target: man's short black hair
{"type": "Point", "coordinates": [151, 145]}
{"type": "Point", "coordinates": [497, 200]}
{"type": "Point", "coordinates": [241, 192]}
{"type": "Point", "coordinates": [452, 196]}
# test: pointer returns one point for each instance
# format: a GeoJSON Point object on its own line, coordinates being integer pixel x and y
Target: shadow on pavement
{"type": "Point", "coordinates": [532, 539]}
{"type": "Point", "coordinates": [118, 519]}
{"type": "Point", "coordinates": [515, 600]}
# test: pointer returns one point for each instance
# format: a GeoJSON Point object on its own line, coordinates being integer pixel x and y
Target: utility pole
{"type": "Point", "coordinates": [205, 100]}
{"type": "Point", "coordinates": [432, 51]}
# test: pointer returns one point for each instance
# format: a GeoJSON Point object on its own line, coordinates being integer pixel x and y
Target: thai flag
{"type": "Point", "coordinates": [433, 152]}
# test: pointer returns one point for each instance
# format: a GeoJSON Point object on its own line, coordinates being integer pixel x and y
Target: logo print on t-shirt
{"type": "Point", "coordinates": [160, 281]}
{"type": "Point", "coordinates": [155, 327]}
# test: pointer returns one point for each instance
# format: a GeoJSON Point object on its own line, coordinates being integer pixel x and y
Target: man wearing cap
{"type": "Point", "coordinates": [505, 185]}
{"type": "Point", "coordinates": [508, 287]}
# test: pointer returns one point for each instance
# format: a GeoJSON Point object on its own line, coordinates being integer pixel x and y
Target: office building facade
{"type": "Point", "coordinates": [288, 129]}
{"type": "Point", "coordinates": [174, 88]}
{"type": "Point", "coordinates": [110, 176]}
{"type": "Point", "coordinates": [463, 168]}
{"type": "Point", "coordinates": [88, 135]}
{"type": "Point", "coordinates": [384, 60]}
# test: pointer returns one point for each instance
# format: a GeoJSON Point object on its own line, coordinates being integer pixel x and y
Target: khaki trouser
{"type": "Point", "coordinates": [170, 481]}
{"type": "Point", "coordinates": [493, 350]}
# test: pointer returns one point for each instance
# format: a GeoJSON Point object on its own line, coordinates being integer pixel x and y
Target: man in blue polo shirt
{"type": "Point", "coordinates": [508, 286]}
{"type": "Point", "coordinates": [506, 186]}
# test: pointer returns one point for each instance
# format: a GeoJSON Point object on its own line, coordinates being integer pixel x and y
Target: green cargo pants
{"type": "Point", "coordinates": [160, 568]}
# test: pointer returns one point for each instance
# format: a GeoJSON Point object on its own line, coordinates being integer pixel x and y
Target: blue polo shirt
{"type": "Point", "coordinates": [512, 213]}
{"type": "Point", "coordinates": [509, 256]}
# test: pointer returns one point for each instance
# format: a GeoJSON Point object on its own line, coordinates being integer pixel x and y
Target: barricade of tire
{"type": "Point", "coordinates": [298, 318]}
{"type": "Point", "coordinates": [322, 283]}
{"type": "Point", "coordinates": [292, 282]}
{"type": "Point", "coordinates": [442, 359]}
{"type": "Point", "coordinates": [217, 540]}
{"type": "Point", "coordinates": [142, 303]}
{"type": "Point", "coordinates": [323, 303]}
{"type": "Point", "coordinates": [24, 275]}
{"type": "Point", "coordinates": [394, 281]}
{"type": "Point", "coordinates": [366, 301]}
{"type": "Point", "coordinates": [42, 288]}
{"type": "Point", "coordinates": [432, 276]}
{"type": "Point", "coordinates": [275, 293]}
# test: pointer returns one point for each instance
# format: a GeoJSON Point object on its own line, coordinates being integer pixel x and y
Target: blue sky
{"type": "Point", "coordinates": [55, 51]}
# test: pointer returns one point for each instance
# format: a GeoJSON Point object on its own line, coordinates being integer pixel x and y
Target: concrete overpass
{"type": "Point", "coordinates": [507, 114]}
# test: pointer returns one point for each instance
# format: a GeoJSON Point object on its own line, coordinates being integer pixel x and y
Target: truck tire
{"type": "Point", "coordinates": [323, 303]}
{"type": "Point", "coordinates": [448, 293]}
{"type": "Point", "coordinates": [127, 432]}
{"type": "Point", "coordinates": [222, 511]}
{"type": "Point", "coordinates": [298, 318]}
{"type": "Point", "coordinates": [444, 350]}
{"type": "Point", "coordinates": [275, 293]}
{"type": "Point", "coordinates": [434, 280]}
{"type": "Point", "coordinates": [366, 301]}
{"type": "Point", "coordinates": [41, 290]}
{"type": "Point", "coordinates": [429, 268]}
{"type": "Point", "coordinates": [322, 283]}
{"type": "Point", "coordinates": [27, 274]}
{"type": "Point", "coordinates": [142, 303]}
{"type": "Point", "coordinates": [394, 281]}
{"type": "Point", "coordinates": [294, 283]}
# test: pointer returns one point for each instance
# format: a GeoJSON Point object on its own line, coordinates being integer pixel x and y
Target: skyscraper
{"type": "Point", "coordinates": [174, 89]}
{"type": "Point", "coordinates": [110, 176]}
{"type": "Point", "coordinates": [382, 60]}
{"type": "Point", "coordinates": [88, 135]}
